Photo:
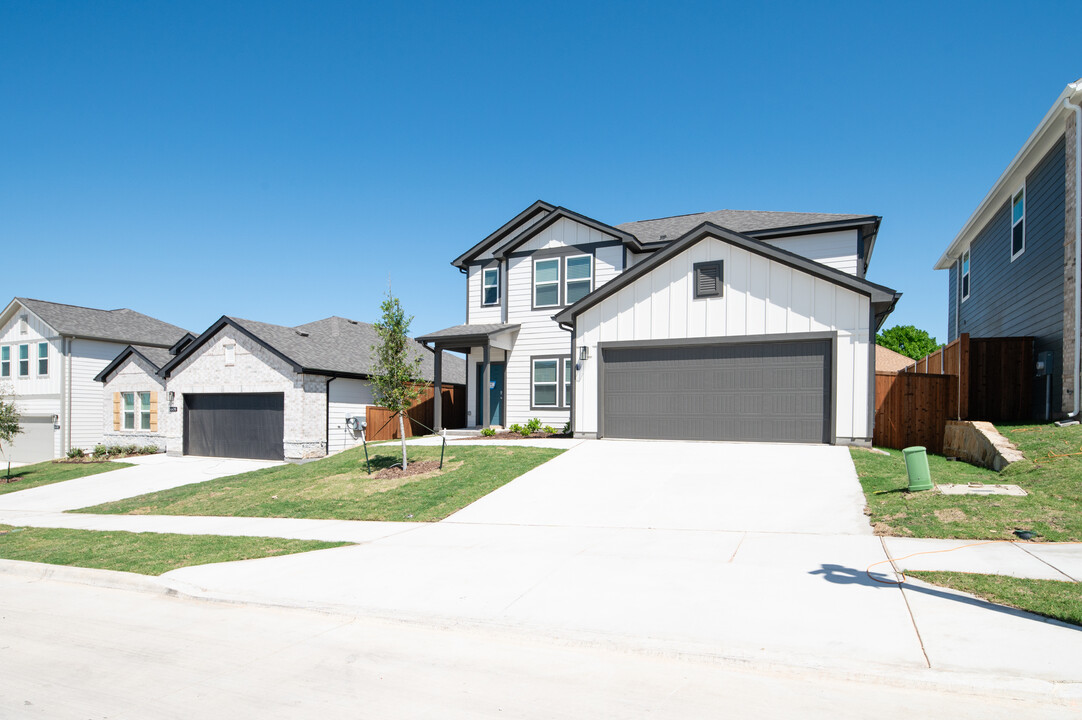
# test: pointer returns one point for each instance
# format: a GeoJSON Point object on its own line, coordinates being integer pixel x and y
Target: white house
{"type": "Point", "coordinates": [49, 356]}
{"type": "Point", "coordinates": [729, 325]}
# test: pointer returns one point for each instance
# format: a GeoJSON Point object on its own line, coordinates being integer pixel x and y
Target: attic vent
{"type": "Point", "coordinates": [302, 333]}
{"type": "Point", "coordinates": [663, 237]}
{"type": "Point", "coordinates": [708, 279]}
{"type": "Point", "coordinates": [352, 322]}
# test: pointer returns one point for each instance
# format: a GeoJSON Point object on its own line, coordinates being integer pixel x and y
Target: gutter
{"type": "Point", "coordinates": [1076, 370]}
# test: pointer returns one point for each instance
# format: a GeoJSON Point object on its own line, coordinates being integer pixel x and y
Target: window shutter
{"type": "Point", "coordinates": [116, 411]}
{"type": "Point", "coordinates": [153, 412]}
{"type": "Point", "coordinates": [708, 279]}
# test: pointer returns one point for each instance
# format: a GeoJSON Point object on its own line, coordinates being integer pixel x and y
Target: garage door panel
{"type": "Point", "coordinates": [35, 443]}
{"type": "Point", "coordinates": [239, 425]}
{"type": "Point", "coordinates": [766, 391]}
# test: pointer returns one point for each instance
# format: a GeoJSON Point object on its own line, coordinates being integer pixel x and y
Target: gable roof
{"type": "Point", "coordinates": [743, 221]}
{"type": "Point", "coordinates": [558, 213]}
{"type": "Point", "coordinates": [882, 298]}
{"type": "Point", "coordinates": [122, 325]}
{"type": "Point", "coordinates": [1025, 160]}
{"type": "Point", "coordinates": [334, 346]}
{"type": "Point", "coordinates": [156, 356]}
{"type": "Point", "coordinates": [539, 207]}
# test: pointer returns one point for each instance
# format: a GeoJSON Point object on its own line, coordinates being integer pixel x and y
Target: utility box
{"type": "Point", "coordinates": [1044, 363]}
{"type": "Point", "coordinates": [916, 467]}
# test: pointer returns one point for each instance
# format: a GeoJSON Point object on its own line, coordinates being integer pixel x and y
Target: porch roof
{"type": "Point", "coordinates": [463, 337]}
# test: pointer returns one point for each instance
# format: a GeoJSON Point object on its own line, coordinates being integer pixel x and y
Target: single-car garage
{"type": "Point", "coordinates": [776, 391]}
{"type": "Point", "coordinates": [236, 425]}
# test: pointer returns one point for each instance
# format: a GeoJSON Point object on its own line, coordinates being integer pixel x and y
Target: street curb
{"type": "Point", "coordinates": [1068, 694]}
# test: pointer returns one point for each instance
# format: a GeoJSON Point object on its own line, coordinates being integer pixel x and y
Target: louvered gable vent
{"type": "Point", "coordinates": [708, 279]}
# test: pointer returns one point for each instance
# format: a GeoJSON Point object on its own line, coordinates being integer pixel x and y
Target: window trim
{"type": "Point", "coordinates": [485, 286]}
{"type": "Point", "coordinates": [124, 412]}
{"type": "Point", "coordinates": [143, 411]}
{"type": "Point", "coordinates": [40, 359]}
{"type": "Point", "coordinates": [569, 374]}
{"type": "Point", "coordinates": [566, 280]}
{"type": "Point", "coordinates": [557, 282]}
{"type": "Point", "coordinates": [5, 362]}
{"type": "Point", "coordinates": [696, 268]}
{"type": "Point", "coordinates": [26, 360]}
{"type": "Point", "coordinates": [560, 383]}
{"type": "Point", "coordinates": [965, 277]}
{"type": "Point", "coordinates": [1014, 223]}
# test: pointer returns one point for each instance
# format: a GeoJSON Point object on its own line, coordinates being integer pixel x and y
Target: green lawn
{"type": "Point", "coordinates": [1053, 507]}
{"type": "Point", "coordinates": [1056, 599]}
{"type": "Point", "coordinates": [144, 553]}
{"type": "Point", "coordinates": [51, 472]}
{"type": "Point", "coordinates": [338, 487]}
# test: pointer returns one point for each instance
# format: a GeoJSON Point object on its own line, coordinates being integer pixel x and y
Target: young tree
{"type": "Point", "coordinates": [9, 428]}
{"type": "Point", "coordinates": [398, 364]}
{"type": "Point", "coordinates": [908, 340]}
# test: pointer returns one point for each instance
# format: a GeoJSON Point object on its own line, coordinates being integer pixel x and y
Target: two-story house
{"type": "Point", "coordinates": [49, 356]}
{"type": "Point", "coordinates": [1012, 265]}
{"type": "Point", "coordinates": [727, 325]}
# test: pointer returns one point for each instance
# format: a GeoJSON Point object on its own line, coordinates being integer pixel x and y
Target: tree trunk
{"type": "Point", "coordinates": [402, 434]}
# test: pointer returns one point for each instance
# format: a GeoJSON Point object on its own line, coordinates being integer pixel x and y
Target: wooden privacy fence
{"type": "Point", "coordinates": [913, 409]}
{"type": "Point", "coordinates": [383, 424]}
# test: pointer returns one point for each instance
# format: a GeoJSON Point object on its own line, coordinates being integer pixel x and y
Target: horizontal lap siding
{"type": "Point", "coordinates": [1023, 297]}
{"type": "Point", "coordinates": [476, 313]}
{"type": "Point", "coordinates": [88, 358]}
{"type": "Point", "coordinates": [833, 249]}
{"type": "Point", "coordinates": [346, 397]}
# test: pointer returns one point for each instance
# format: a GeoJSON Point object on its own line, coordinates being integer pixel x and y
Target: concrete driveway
{"type": "Point", "coordinates": [684, 486]}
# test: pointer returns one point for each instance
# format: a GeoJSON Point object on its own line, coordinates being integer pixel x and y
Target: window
{"type": "Point", "coordinates": [965, 274]}
{"type": "Point", "coordinates": [544, 383]}
{"type": "Point", "coordinates": [1018, 223]}
{"type": "Point", "coordinates": [24, 361]}
{"type": "Point", "coordinates": [546, 283]}
{"type": "Point", "coordinates": [129, 410]}
{"type": "Point", "coordinates": [230, 353]}
{"type": "Point", "coordinates": [5, 361]}
{"type": "Point", "coordinates": [144, 411]}
{"type": "Point", "coordinates": [708, 279]}
{"type": "Point", "coordinates": [490, 286]}
{"type": "Point", "coordinates": [43, 359]}
{"type": "Point", "coordinates": [578, 277]}
{"type": "Point", "coordinates": [567, 382]}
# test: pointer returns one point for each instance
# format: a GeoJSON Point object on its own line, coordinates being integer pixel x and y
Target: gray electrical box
{"type": "Point", "coordinates": [1044, 363]}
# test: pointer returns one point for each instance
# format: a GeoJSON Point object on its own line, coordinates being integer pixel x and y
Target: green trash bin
{"type": "Point", "coordinates": [916, 467]}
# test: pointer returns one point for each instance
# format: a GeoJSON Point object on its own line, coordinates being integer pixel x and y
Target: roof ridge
{"type": "Point", "coordinates": [80, 307]}
{"type": "Point", "coordinates": [773, 212]}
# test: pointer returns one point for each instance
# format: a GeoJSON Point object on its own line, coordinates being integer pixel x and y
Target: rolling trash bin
{"type": "Point", "coordinates": [916, 467]}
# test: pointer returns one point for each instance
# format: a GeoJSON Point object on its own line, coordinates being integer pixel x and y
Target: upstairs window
{"type": "Point", "coordinates": [5, 361]}
{"type": "Point", "coordinates": [43, 359]}
{"type": "Point", "coordinates": [578, 278]}
{"type": "Point", "coordinates": [1018, 223]}
{"type": "Point", "coordinates": [965, 274]}
{"type": "Point", "coordinates": [490, 286]}
{"type": "Point", "coordinates": [24, 361]}
{"type": "Point", "coordinates": [546, 283]}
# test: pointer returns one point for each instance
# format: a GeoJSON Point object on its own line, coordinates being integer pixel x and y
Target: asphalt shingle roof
{"type": "Point", "coordinates": [122, 325]}
{"type": "Point", "coordinates": [743, 221]}
{"type": "Point", "coordinates": [340, 345]}
{"type": "Point", "coordinates": [156, 355]}
{"type": "Point", "coordinates": [468, 331]}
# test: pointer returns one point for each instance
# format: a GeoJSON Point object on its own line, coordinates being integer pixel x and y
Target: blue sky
{"type": "Point", "coordinates": [285, 161]}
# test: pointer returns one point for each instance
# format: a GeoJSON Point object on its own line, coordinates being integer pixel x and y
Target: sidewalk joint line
{"type": "Point", "coordinates": [1038, 557]}
{"type": "Point", "coordinates": [905, 599]}
{"type": "Point", "coordinates": [737, 548]}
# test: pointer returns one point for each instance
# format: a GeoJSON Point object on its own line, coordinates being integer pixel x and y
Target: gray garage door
{"type": "Point", "coordinates": [241, 425]}
{"type": "Point", "coordinates": [764, 391]}
{"type": "Point", "coordinates": [35, 443]}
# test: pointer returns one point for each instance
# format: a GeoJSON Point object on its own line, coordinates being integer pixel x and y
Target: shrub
{"type": "Point", "coordinates": [549, 430]}
{"type": "Point", "coordinates": [567, 428]}
{"type": "Point", "coordinates": [516, 428]}
{"type": "Point", "coordinates": [149, 450]}
{"type": "Point", "coordinates": [76, 453]}
{"type": "Point", "coordinates": [131, 449]}
{"type": "Point", "coordinates": [488, 432]}
{"type": "Point", "coordinates": [116, 450]}
{"type": "Point", "coordinates": [533, 425]}
{"type": "Point", "coordinates": [100, 451]}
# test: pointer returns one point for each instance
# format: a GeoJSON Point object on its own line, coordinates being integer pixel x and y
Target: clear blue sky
{"type": "Point", "coordinates": [283, 161]}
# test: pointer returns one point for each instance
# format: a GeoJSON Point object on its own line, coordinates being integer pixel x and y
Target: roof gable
{"type": "Point", "coordinates": [121, 325]}
{"type": "Point", "coordinates": [539, 207]}
{"type": "Point", "coordinates": [156, 357]}
{"type": "Point", "coordinates": [552, 218]}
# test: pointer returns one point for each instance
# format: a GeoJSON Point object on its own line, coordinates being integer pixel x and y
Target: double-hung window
{"type": "Point", "coordinates": [546, 283]}
{"type": "Point", "coordinates": [24, 361]}
{"type": "Point", "coordinates": [965, 274]}
{"type": "Point", "coordinates": [43, 359]}
{"type": "Point", "coordinates": [144, 411]}
{"type": "Point", "coordinates": [545, 383]}
{"type": "Point", "coordinates": [567, 382]}
{"type": "Point", "coordinates": [129, 410]}
{"type": "Point", "coordinates": [578, 277]}
{"type": "Point", "coordinates": [1018, 223]}
{"type": "Point", "coordinates": [490, 286]}
{"type": "Point", "coordinates": [5, 361]}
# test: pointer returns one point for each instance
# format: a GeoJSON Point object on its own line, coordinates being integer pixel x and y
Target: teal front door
{"type": "Point", "coordinates": [495, 381]}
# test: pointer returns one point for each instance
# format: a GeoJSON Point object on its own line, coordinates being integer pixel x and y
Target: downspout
{"type": "Point", "coordinates": [1077, 365]}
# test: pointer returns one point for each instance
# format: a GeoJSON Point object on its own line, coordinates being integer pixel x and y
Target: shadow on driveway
{"type": "Point", "coordinates": [841, 575]}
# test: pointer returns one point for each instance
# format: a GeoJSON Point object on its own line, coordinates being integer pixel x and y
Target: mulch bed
{"type": "Point", "coordinates": [414, 468]}
{"type": "Point", "coordinates": [14, 478]}
{"type": "Point", "coordinates": [508, 435]}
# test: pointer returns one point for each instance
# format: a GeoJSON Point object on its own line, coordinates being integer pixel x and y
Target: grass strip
{"type": "Point", "coordinates": [143, 553]}
{"type": "Point", "coordinates": [49, 472]}
{"type": "Point", "coordinates": [1056, 599]}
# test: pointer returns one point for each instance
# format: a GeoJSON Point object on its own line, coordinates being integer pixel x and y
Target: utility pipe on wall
{"type": "Point", "coordinates": [1077, 366]}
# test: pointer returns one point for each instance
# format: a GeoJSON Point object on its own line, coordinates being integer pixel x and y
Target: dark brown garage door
{"type": "Point", "coordinates": [241, 425]}
{"type": "Point", "coordinates": [763, 392]}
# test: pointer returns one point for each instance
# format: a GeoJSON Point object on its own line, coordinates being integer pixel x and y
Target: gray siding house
{"type": "Point", "coordinates": [1012, 265]}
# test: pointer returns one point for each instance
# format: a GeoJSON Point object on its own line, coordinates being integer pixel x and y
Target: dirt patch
{"type": "Point", "coordinates": [951, 515]}
{"type": "Point", "coordinates": [882, 528]}
{"type": "Point", "coordinates": [13, 479]}
{"type": "Point", "coordinates": [414, 468]}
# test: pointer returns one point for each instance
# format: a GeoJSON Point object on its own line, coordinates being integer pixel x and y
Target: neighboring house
{"type": "Point", "coordinates": [49, 355]}
{"type": "Point", "coordinates": [250, 389]}
{"type": "Point", "coordinates": [1012, 265]}
{"type": "Point", "coordinates": [888, 361]}
{"type": "Point", "coordinates": [727, 325]}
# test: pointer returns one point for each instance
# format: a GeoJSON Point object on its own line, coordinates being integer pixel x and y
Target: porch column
{"type": "Point", "coordinates": [486, 395]}
{"type": "Point", "coordinates": [437, 399]}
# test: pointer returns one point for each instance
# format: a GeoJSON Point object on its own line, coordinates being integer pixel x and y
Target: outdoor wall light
{"type": "Point", "coordinates": [170, 395]}
{"type": "Point", "coordinates": [584, 353]}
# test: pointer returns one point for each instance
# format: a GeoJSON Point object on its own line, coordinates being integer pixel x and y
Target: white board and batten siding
{"type": "Point", "coordinates": [346, 397]}
{"type": "Point", "coordinates": [761, 297]}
